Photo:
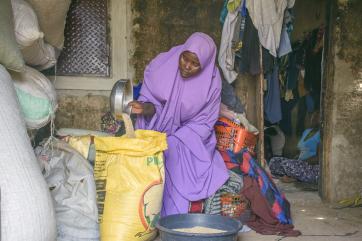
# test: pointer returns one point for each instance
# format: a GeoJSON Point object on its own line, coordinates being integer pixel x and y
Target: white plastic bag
{"type": "Point", "coordinates": [27, 212]}
{"type": "Point", "coordinates": [70, 179]}
{"type": "Point", "coordinates": [37, 97]}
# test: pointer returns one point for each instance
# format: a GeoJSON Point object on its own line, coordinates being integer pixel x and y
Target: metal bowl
{"type": "Point", "coordinates": [166, 226]}
{"type": "Point", "coordinates": [121, 95]}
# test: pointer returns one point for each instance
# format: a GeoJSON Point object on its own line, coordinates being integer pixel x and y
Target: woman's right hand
{"type": "Point", "coordinates": [139, 108]}
{"type": "Point", "coordinates": [136, 107]}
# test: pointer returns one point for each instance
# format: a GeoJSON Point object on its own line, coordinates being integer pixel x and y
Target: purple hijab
{"type": "Point", "coordinates": [186, 109]}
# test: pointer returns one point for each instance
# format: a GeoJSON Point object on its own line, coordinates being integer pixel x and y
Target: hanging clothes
{"type": "Point", "coordinates": [224, 12]}
{"type": "Point", "coordinates": [226, 56]}
{"type": "Point", "coordinates": [286, 122]}
{"type": "Point", "coordinates": [233, 5]}
{"type": "Point", "coordinates": [267, 16]}
{"type": "Point", "coordinates": [236, 41]}
{"type": "Point", "coordinates": [285, 47]}
{"type": "Point", "coordinates": [293, 71]}
{"type": "Point", "coordinates": [313, 68]}
{"type": "Point", "coordinates": [272, 105]}
{"type": "Point", "coordinates": [248, 56]}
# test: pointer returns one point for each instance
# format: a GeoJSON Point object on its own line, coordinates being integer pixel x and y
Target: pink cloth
{"type": "Point", "coordinates": [186, 109]}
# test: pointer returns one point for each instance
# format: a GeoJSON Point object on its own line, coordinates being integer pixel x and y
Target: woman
{"type": "Point", "coordinates": [181, 97]}
{"type": "Point", "coordinates": [306, 167]}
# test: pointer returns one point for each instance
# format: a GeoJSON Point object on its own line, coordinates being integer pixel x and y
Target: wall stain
{"type": "Point", "coordinates": [159, 24]}
{"type": "Point", "coordinates": [81, 112]}
{"type": "Point", "coordinates": [349, 33]}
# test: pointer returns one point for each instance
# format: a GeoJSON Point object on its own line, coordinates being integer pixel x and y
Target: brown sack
{"type": "Point", "coordinates": [10, 55]}
{"type": "Point", "coordinates": [51, 16]}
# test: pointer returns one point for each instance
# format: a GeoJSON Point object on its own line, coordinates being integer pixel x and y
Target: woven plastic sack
{"type": "Point", "coordinates": [70, 178]}
{"type": "Point", "coordinates": [39, 55]}
{"type": "Point", "coordinates": [26, 23]}
{"type": "Point", "coordinates": [37, 97]}
{"type": "Point", "coordinates": [51, 16]}
{"type": "Point", "coordinates": [10, 55]}
{"type": "Point", "coordinates": [27, 212]}
{"type": "Point", "coordinates": [130, 179]}
{"type": "Point", "coordinates": [36, 53]}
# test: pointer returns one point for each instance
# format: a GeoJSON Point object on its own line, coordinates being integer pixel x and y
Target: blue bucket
{"type": "Point", "coordinates": [166, 226]}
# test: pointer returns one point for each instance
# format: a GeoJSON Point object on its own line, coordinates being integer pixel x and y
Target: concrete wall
{"type": "Point", "coordinates": [81, 109]}
{"type": "Point", "coordinates": [139, 31]}
{"type": "Point", "coordinates": [159, 25]}
{"type": "Point", "coordinates": [342, 142]}
{"type": "Point", "coordinates": [309, 15]}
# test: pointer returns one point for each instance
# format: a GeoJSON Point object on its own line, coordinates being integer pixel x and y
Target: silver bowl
{"type": "Point", "coordinates": [121, 96]}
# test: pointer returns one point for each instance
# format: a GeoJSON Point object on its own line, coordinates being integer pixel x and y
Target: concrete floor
{"type": "Point", "coordinates": [317, 221]}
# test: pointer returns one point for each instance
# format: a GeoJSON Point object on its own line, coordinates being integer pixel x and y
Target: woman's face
{"type": "Point", "coordinates": [189, 64]}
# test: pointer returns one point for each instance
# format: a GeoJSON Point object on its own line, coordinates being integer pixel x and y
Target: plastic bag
{"type": "Point", "coordinates": [70, 178]}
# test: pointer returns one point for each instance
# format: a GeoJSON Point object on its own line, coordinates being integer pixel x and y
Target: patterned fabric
{"type": "Point", "coordinates": [233, 185]}
{"type": "Point", "coordinates": [196, 207]}
{"type": "Point", "coordinates": [245, 164]}
{"type": "Point", "coordinates": [276, 199]}
{"type": "Point", "coordinates": [110, 125]}
{"type": "Point", "coordinates": [232, 161]}
{"type": "Point", "coordinates": [297, 169]}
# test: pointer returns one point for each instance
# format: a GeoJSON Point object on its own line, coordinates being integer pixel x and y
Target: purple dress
{"type": "Point", "coordinates": [186, 109]}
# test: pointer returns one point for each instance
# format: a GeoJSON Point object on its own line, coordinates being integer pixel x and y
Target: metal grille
{"type": "Point", "coordinates": [86, 47]}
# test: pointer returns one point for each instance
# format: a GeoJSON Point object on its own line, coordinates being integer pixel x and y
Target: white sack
{"type": "Point", "coordinates": [37, 97]}
{"type": "Point", "coordinates": [39, 55]}
{"type": "Point", "coordinates": [26, 23]}
{"type": "Point", "coordinates": [70, 179]}
{"type": "Point", "coordinates": [27, 212]}
{"type": "Point", "coordinates": [36, 52]}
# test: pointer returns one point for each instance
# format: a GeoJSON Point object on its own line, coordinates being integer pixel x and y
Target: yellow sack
{"type": "Point", "coordinates": [129, 175]}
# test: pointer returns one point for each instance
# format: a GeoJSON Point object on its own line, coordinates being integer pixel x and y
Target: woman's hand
{"type": "Point", "coordinates": [136, 107]}
{"type": "Point", "coordinates": [139, 108]}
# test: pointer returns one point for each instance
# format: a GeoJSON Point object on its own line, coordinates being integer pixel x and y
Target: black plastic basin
{"type": "Point", "coordinates": [167, 224]}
